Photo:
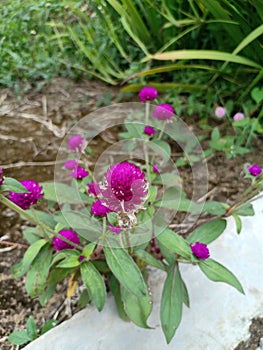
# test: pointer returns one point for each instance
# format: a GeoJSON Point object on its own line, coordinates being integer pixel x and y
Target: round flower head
{"type": "Point", "coordinates": [71, 164]}
{"type": "Point", "coordinates": [99, 209]}
{"type": "Point", "coordinates": [238, 116]}
{"type": "Point", "coordinates": [25, 200]}
{"type": "Point", "coordinates": [200, 250]}
{"type": "Point", "coordinates": [155, 169]}
{"type": "Point", "coordinates": [94, 189]}
{"type": "Point", "coordinates": [163, 111]}
{"type": "Point", "coordinates": [59, 244]}
{"type": "Point", "coordinates": [76, 143]}
{"type": "Point", "coordinates": [1, 177]}
{"type": "Point", "coordinates": [149, 130]}
{"type": "Point", "coordinates": [148, 93]}
{"type": "Point", "coordinates": [220, 112]}
{"type": "Point", "coordinates": [254, 170]}
{"type": "Point", "coordinates": [125, 187]}
{"type": "Point", "coordinates": [79, 173]}
{"type": "Point", "coordinates": [115, 229]}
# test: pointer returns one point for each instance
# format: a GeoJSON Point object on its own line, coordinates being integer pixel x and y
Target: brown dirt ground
{"type": "Point", "coordinates": [27, 139]}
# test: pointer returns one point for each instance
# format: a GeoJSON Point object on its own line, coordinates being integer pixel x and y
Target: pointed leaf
{"type": "Point", "coordinates": [175, 243]}
{"type": "Point", "coordinates": [218, 273]}
{"type": "Point", "coordinates": [138, 309]}
{"type": "Point", "coordinates": [208, 232]}
{"type": "Point", "coordinates": [116, 291]}
{"type": "Point", "coordinates": [125, 270]}
{"type": "Point", "coordinates": [94, 283]}
{"type": "Point", "coordinates": [171, 303]}
{"type": "Point", "coordinates": [149, 259]}
{"type": "Point", "coordinates": [13, 185]}
{"type": "Point", "coordinates": [37, 275]}
{"type": "Point", "coordinates": [238, 222]}
{"type": "Point", "coordinates": [245, 210]}
{"type": "Point", "coordinates": [31, 327]}
{"type": "Point", "coordinates": [19, 337]}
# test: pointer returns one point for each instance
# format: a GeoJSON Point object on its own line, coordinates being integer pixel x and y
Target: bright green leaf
{"type": "Point", "coordinates": [31, 327]}
{"type": "Point", "coordinates": [208, 232]}
{"type": "Point", "coordinates": [238, 222]}
{"type": "Point", "coordinates": [125, 270]}
{"type": "Point", "coordinates": [94, 284]}
{"type": "Point", "coordinates": [149, 259]}
{"type": "Point", "coordinates": [218, 273]}
{"type": "Point", "coordinates": [19, 337]}
{"type": "Point", "coordinates": [171, 303]}
{"type": "Point", "coordinates": [175, 243]}
{"type": "Point", "coordinates": [137, 308]}
{"type": "Point", "coordinates": [245, 210]}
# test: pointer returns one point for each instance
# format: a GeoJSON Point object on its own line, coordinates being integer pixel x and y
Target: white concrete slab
{"type": "Point", "coordinates": [219, 316]}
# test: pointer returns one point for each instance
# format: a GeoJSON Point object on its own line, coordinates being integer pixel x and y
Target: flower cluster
{"type": "Point", "coordinates": [200, 250]}
{"type": "Point", "coordinates": [124, 188]}
{"type": "Point", "coordinates": [60, 244]}
{"type": "Point", "coordinates": [32, 196]}
{"type": "Point", "coordinates": [254, 170]}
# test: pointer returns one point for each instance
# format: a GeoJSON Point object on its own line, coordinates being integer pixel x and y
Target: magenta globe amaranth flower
{"type": "Point", "coordinates": [115, 229]}
{"type": "Point", "coordinates": [79, 173]}
{"type": "Point", "coordinates": [163, 111]}
{"type": "Point", "coordinates": [254, 170]}
{"type": "Point", "coordinates": [59, 244]}
{"type": "Point", "coordinates": [125, 187]}
{"type": "Point", "coordinates": [200, 250]}
{"type": "Point", "coordinates": [25, 200]}
{"type": "Point", "coordinates": [94, 189]}
{"type": "Point", "coordinates": [155, 169]}
{"type": "Point", "coordinates": [220, 112]}
{"type": "Point", "coordinates": [149, 130]}
{"type": "Point", "coordinates": [99, 209]}
{"type": "Point", "coordinates": [148, 93]}
{"type": "Point", "coordinates": [238, 116]}
{"type": "Point", "coordinates": [1, 176]}
{"type": "Point", "coordinates": [76, 143]}
{"type": "Point", "coordinates": [71, 164]}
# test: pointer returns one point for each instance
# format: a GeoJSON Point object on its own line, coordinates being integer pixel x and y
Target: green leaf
{"type": "Point", "coordinates": [49, 325]}
{"type": "Point", "coordinates": [31, 328]}
{"type": "Point", "coordinates": [204, 55]}
{"type": "Point", "coordinates": [13, 185]}
{"type": "Point", "coordinates": [19, 337]}
{"type": "Point", "coordinates": [171, 303]}
{"type": "Point", "coordinates": [94, 284]}
{"type": "Point", "coordinates": [125, 270]}
{"type": "Point", "coordinates": [46, 218]}
{"type": "Point", "coordinates": [69, 262]}
{"type": "Point", "coordinates": [169, 180]}
{"type": "Point", "coordinates": [214, 208]}
{"type": "Point", "coordinates": [185, 294]}
{"type": "Point", "coordinates": [32, 234]}
{"type": "Point", "coordinates": [88, 249]}
{"type": "Point", "coordinates": [175, 243]}
{"type": "Point", "coordinates": [257, 95]}
{"type": "Point", "coordinates": [137, 308]}
{"type": "Point", "coordinates": [149, 259]}
{"type": "Point", "coordinates": [32, 252]}
{"type": "Point", "coordinates": [37, 275]}
{"type": "Point", "coordinates": [84, 299]}
{"type": "Point", "coordinates": [162, 148]}
{"type": "Point", "coordinates": [47, 294]}
{"type": "Point", "coordinates": [245, 210]}
{"type": "Point", "coordinates": [62, 193]}
{"type": "Point", "coordinates": [116, 291]}
{"type": "Point", "coordinates": [218, 273]}
{"type": "Point", "coordinates": [207, 232]}
{"type": "Point", "coordinates": [238, 222]}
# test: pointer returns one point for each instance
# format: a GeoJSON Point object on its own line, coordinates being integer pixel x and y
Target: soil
{"type": "Point", "coordinates": [31, 131]}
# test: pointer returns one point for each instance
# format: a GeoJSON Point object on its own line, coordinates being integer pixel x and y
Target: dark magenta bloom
{"type": "Point", "coordinates": [59, 244]}
{"type": "Point", "coordinates": [94, 189]}
{"type": "Point", "coordinates": [115, 229]}
{"type": "Point", "coordinates": [79, 173]}
{"type": "Point", "coordinates": [200, 250]}
{"type": "Point", "coordinates": [155, 169]}
{"type": "Point", "coordinates": [125, 187]}
{"type": "Point", "coordinates": [163, 111]}
{"type": "Point", "coordinates": [81, 258]}
{"type": "Point", "coordinates": [254, 170]}
{"type": "Point", "coordinates": [25, 200]}
{"type": "Point", "coordinates": [76, 143]}
{"type": "Point", "coordinates": [149, 130]}
{"type": "Point", "coordinates": [71, 164]}
{"type": "Point", "coordinates": [1, 176]}
{"type": "Point", "coordinates": [148, 93]}
{"type": "Point", "coordinates": [99, 209]}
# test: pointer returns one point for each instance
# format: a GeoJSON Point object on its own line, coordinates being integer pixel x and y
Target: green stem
{"type": "Point", "coordinates": [147, 112]}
